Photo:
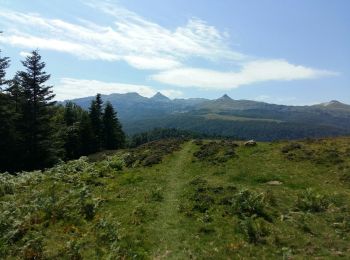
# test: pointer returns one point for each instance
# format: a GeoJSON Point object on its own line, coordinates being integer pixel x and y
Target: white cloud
{"type": "Point", "coordinates": [151, 62]}
{"type": "Point", "coordinates": [131, 38]}
{"type": "Point", "coordinates": [251, 72]}
{"type": "Point", "coordinates": [70, 88]}
{"type": "Point", "coordinates": [146, 45]}
{"type": "Point", "coordinates": [24, 54]}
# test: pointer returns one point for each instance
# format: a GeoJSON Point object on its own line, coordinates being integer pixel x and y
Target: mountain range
{"type": "Point", "coordinates": [241, 119]}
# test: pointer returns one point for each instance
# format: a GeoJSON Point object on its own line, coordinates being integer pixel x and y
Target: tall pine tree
{"type": "Point", "coordinates": [36, 111]}
{"type": "Point", "coordinates": [72, 140]}
{"type": "Point", "coordinates": [87, 137]}
{"type": "Point", "coordinates": [113, 135]}
{"type": "Point", "coordinates": [4, 64]}
{"type": "Point", "coordinates": [95, 113]}
{"type": "Point", "coordinates": [7, 127]}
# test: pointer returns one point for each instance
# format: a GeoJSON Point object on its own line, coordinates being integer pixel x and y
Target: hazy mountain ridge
{"type": "Point", "coordinates": [229, 117]}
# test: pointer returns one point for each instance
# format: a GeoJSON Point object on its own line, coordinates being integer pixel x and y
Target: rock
{"type": "Point", "coordinates": [274, 183]}
{"type": "Point", "coordinates": [250, 143]}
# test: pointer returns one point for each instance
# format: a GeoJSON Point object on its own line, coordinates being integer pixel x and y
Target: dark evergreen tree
{"type": "Point", "coordinates": [95, 113]}
{"type": "Point", "coordinates": [113, 135]}
{"type": "Point", "coordinates": [7, 134]}
{"type": "Point", "coordinates": [72, 142]}
{"type": "Point", "coordinates": [16, 93]}
{"type": "Point", "coordinates": [36, 112]}
{"type": "Point", "coordinates": [7, 126]}
{"type": "Point", "coordinates": [4, 64]}
{"type": "Point", "coordinates": [86, 134]}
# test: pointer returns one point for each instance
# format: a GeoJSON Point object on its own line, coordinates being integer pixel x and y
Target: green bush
{"type": "Point", "coordinates": [33, 248]}
{"type": "Point", "coordinates": [156, 195]}
{"type": "Point", "coordinates": [311, 201]}
{"type": "Point", "coordinates": [290, 147]}
{"type": "Point", "coordinates": [138, 215]}
{"type": "Point", "coordinates": [107, 232]}
{"type": "Point", "coordinates": [116, 165]}
{"type": "Point", "coordinates": [247, 204]}
{"type": "Point", "coordinates": [88, 210]}
{"type": "Point", "coordinates": [73, 250]}
{"type": "Point", "coordinates": [7, 185]}
{"type": "Point", "coordinates": [254, 229]}
{"type": "Point", "coordinates": [152, 159]}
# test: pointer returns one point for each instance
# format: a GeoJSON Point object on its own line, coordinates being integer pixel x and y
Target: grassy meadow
{"type": "Point", "coordinates": [184, 199]}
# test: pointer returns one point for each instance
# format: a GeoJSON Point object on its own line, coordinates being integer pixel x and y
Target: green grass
{"type": "Point", "coordinates": [216, 204]}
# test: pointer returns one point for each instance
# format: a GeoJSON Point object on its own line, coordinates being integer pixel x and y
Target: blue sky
{"type": "Point", "coordinates": [285, 52]}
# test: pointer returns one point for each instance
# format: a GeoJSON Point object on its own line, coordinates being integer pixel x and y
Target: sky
{"type": "Point", "coordinates": [290, 52]}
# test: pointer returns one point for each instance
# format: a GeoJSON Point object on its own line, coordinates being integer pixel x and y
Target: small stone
{"type": "Point", "coordinates": [274, 183]}
{"type": "Point", "coordinates": [250, 143]}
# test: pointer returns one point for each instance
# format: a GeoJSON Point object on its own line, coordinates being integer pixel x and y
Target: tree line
{"type": "Point", "coordinates": [36, 132]}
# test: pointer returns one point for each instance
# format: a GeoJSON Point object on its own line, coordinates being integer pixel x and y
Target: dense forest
{"type": "Point", "coordinates": [37, 133]}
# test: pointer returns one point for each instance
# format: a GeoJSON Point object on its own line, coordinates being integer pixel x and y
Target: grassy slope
{"type": "Point", "coordinates": [185, 206]}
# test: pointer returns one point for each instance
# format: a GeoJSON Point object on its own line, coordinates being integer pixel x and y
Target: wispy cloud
{"type": "Point", "coordinates": [24, 53]}
{"type": "Point", "coordinates": [131, 38]}
{"type": "Point", "coordinates": [251, 72]}
{"type": "Point", "coordinates": [146, 45]}
{"type": "Point", "coordinates": [69, 88]}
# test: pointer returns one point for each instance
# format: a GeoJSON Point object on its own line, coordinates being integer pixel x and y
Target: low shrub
{"type": "Point", "coordinates": [107, 231]}
{"type": "Point", "coordinates": [138, 215]}
{"type": "Point", "coordinates": [311, 201]}
{"type": "Point", "coordinates": [116, 165]}
{"type": "Point", "coordinates": [216, 152]}
{"type": "Point", "coordinates": [329, 157]}
{"type": "Point", "coordinates": [247, 204]}
{"type": "Point", "coordinates": [6, 185]}
{"type": "Point", "coordinates": [254, 229]}
{"type": "Point", "coordinates": [290, 147]}
{"type": "Point", "coordinates": [156, 195]}
{"type": "Point", "coordinates": [152, 159]}
{"type": "Point", "coordinates": [88, 210]}
{"type": "Point", "coordinates": [202, 202]}
{"type": "Point", "coordinates": [129, 160]}
{"type": "Point", "coordinates": [33, 248]}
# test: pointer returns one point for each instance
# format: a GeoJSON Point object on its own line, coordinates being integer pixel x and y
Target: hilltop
{"type": "Point", "coordinates": [183, 199]}
{"type": "Point", "coordinates": [225, 116]}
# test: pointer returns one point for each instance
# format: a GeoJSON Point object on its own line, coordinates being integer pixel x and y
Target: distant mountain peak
{"type": "Point", "coordinates": [332, 103]}
{"type": "Point", "coordinates": [225, 97]}
{"type": "Point", "coordinates": [335, 102]}
{"type": "Point", "coordinates": [160, 97]}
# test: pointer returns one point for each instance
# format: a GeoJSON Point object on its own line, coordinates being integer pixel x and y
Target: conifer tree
{"type": "Point", "coordinates": [86, 134]}
{"type": "Point", "coordinates": [36, 111]}
{"type": "Point", "coordinates": [7, 130]}
{"type": "Point", "coordinates": [95, 113]}
{"type": "Point", "coordinates": [114, 137]}
{"type": "Point", "coordinates": [72, 131]}
{"type": "Point", "coordinates": [4, 64]}
{"type": "Point", "coordinates": [15, 91]}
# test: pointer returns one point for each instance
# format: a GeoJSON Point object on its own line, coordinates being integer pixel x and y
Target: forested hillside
{"type": "Point", "coordinates": [182, 199]}
{"type": "Point", "coordinates": [242, 119]}
{"type": "Point", "coordinates": [37, 133]}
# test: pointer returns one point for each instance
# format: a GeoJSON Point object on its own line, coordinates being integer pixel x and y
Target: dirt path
{"type": "Point", "coordinates": [168, 223]}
